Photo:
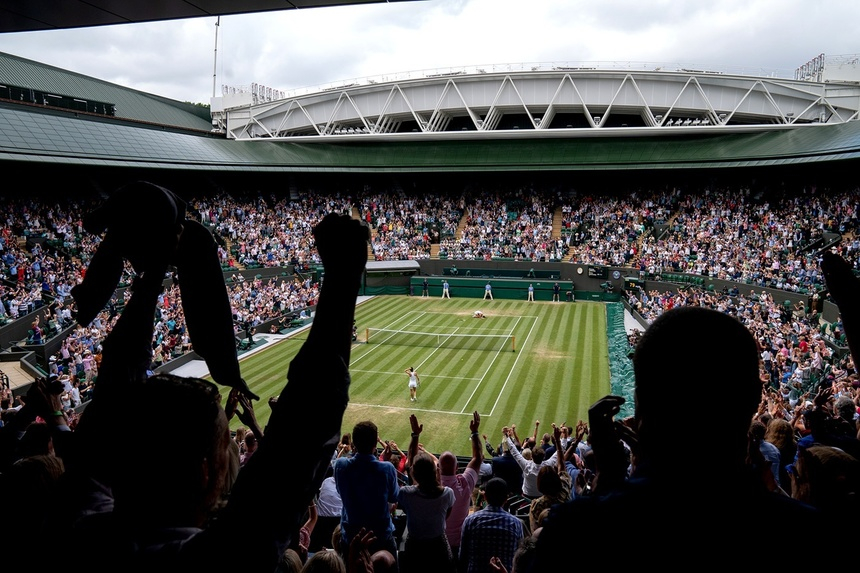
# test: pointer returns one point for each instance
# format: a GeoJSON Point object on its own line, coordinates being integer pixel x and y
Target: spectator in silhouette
{"type": "Point", "coordinates": [151, 506]}
{"type": "Point", "coordinates": [671, 351]}
{"type": "Point", "coordinates": [506, 467]}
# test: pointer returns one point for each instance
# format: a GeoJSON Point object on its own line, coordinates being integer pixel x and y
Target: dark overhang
{"type": "Point", "coordinates": [30, 16]}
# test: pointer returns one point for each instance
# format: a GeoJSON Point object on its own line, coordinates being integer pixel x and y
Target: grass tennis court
{"type": "Point", "coordinates": [558, 369]}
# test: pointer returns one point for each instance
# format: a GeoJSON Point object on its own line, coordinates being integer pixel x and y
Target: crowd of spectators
{"type": "Point", "coordinates": [731, 233]}
{"type": "Point", "coordinates": [515, 225]}
{"type": "Point", "coordinates": [736, 235]}
{"type": "Point", "coordinates": [537, 472]}
{"type": "Point", "coordinates": [404, 226]}
{"type": "Point", "coordinates": [258, 301]}
{"type": "Point", "coordinates": [268, 231]}
{"type": "Point", "coordinates": [606, 230]}
{"type": "Point", "coordinates": [726, 233]}
{"type": "Point", "coordinates": [793, 338]}
{"type": "Point", "coordinates": [44, 252]}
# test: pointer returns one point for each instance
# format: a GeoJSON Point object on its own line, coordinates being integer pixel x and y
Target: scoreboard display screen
{"type": "Point", "coordinates": [598, 272]}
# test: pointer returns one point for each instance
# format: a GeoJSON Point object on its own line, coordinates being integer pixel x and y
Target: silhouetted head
{"type": "Point", "coordinates": [424, 473]}
{"type": "Point", "coordinates": [383, 561]}
{"type": "Point", "coordinates": [684, 351]}
{"type": "Point", "coordinates": [174, 486]}
{"type": "Point", "coordinates": [364, 437]}
{"type": "Point", "coordinates": [496, 492]}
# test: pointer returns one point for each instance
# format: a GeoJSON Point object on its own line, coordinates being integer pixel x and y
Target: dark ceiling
{"type": "Point", "coordinates": [33, 15]}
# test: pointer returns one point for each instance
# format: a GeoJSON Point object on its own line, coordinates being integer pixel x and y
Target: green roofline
{"type": "Point", "coordinates": [62, 139]}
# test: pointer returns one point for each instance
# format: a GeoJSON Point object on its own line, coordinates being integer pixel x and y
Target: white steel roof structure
{"type": "Point", "coordinates": [536, 101]}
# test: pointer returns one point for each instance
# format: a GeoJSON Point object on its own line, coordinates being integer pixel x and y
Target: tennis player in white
{"type": "Point", "coordinates": [413, 384]}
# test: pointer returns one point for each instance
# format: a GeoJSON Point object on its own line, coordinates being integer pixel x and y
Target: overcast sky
{"type": "Point", "coordinates": [299, 48]}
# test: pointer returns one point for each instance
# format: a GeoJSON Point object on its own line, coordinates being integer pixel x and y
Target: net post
{"type": "Point", "coordinates": [367, 336]}
{"type": "Point", "coordinates": [513, 343]}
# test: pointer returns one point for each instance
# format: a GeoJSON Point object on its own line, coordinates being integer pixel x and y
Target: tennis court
{"type": "Point", "coordinates": [453, 353]}
{"type": "Point", "coordinates": [558, 368]}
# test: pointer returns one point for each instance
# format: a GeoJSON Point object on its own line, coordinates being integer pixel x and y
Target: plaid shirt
{"type": "Point", "coordinates": [490, 532]}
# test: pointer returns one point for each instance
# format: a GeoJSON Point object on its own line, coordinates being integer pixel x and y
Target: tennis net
{"type": "Point", "coordinates": [492, 342]}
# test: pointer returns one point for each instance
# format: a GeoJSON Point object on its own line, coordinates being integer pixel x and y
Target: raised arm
{"type": "Point", "coordinates": [270, 497]}
{"type": "Point", "coordinates": [413, 443]}
{"type": "Point", "coordinates": [559, 454]}
{"type": "Point", "coordinates": [512, 433]}
{"type": "Point", "coordinates": [477, 453]}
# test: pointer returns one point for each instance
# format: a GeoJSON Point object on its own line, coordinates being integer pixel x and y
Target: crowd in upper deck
{"type": "Point", "coordinates": [761, 239]}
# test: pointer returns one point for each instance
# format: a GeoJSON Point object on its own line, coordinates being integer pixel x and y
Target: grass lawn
{"type": "Point", "coordinates": [559, 368]}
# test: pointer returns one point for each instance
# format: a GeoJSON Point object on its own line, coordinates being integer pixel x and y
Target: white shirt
{"type": "Point", "coordinates": [329, 503]}
{"type": "Point", "coordinates": [530, 469]}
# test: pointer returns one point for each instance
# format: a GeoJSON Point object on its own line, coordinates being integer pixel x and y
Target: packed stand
{"type": "Point", "coordinates": [739, 236]}
{"type": "Point", "coordinates": [406, 226]}
{"type": "Point", "coordinates": [515, 225]}
{"type": "Point", "coordinates": [268, 232]}
{"type": "Point", "coordinates": [606, 230]}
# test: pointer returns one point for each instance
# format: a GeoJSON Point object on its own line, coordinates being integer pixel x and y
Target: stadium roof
{"type": "Point", "coordinates": [39, 78]}
{"type": "Point", "coordinates": [62, 138]}
{"type": "Point", "coordinates": [154, 133]}
{"type": "Point", "coordinates": [18, 16]}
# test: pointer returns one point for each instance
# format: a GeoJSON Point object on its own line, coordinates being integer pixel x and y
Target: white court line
{"type": "Point", "coordinates": [484, 375]}
{"type": "Point", "coordinates": [513, 367]}
{"type": "Point", "coordinates": [398, 373]}
{"type": "Point", "coordinates": [435, 350]}
{"type": "Point", "coordinates": [409, 409]}
{"type": "Point", "coordinates": [420, 314]}
{"type": "Point", "coordinates": [501, 316]}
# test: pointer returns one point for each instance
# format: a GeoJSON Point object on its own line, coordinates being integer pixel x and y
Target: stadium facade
{"type": "Point", "coordinates": [552, 118]}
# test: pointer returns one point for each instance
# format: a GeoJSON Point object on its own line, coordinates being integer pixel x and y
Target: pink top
{"type": "Point", "coordinates": [462, 484]}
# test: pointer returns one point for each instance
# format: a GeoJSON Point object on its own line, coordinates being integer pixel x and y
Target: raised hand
{"type": "Point", "coordinates": [416, 427]}
{"type": "Point", "coordinates": [497, 565]}
{"type": "Point", "coordinates": [360, 560]}
{"type": "Point", "coordinates": [232, 404]}
{"type": "Point", "coordinates": [475, 424]}
{"type": "Point", "coordinates": [608, 451]}
{"type": "Point", "coordinates": [342, 242]}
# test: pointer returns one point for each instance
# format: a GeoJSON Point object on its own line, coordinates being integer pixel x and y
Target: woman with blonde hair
{"type": "Point", "coordinates": [325, 562]}
{"type": "Point", "coordinates": [780, 433]}
{"type": "Point", "coordinates": [344, 447]}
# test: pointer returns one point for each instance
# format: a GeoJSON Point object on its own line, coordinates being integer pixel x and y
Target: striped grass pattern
{"type": "Point", "coordinates": [559, 368]}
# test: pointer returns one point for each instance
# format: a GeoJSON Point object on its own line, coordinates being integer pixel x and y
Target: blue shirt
{"type": "Point", "coordinates": [366, 487]}
{"type": "Point", "coordinates": [490, 532]}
